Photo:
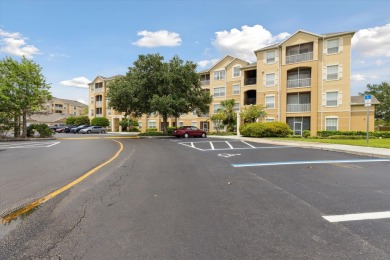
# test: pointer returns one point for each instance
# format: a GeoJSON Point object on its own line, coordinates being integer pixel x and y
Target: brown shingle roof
{"type": "Point", "coordinates": [359, 100]}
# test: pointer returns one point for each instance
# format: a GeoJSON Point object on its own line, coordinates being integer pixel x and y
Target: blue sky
{"type": "Point", "coordinates": [76, 40]}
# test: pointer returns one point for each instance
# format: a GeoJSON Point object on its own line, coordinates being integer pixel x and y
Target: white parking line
{"type": "Point", "coordinates": [358, 216]}
{"type": "Point", "coordinates": [248, 144]}
{"type": "Point", "coordinates": [212, 146]}
{"type": "Point", "coordinates": [28, 145]}
{"type": "Point", "coordinates": [231, 147]}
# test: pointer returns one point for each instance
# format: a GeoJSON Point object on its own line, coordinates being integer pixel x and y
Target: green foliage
{"type": "Point", "coordinates": [153, 133]}
{"type": "Point", "coordinates": [222, 133]}
{"type": "Point", "coordinates": [151, 130]}
{"type": "Point", "coordinates": [71, 120]}
{"type": "Point", "coordinates": [23, 90]}
{"type": "Point", "coordinates": [100, 121]}
{"type": "Point", "coordinates": [152, 85]}
{"type": "Point", "coordinates": [345, 137]}
{"type": "Point", "coordinates": [82, 120]}
{"type": "Point", "coordinates": [382, 93]}
{"type": "Point", "coordinates": [6, 123]}
{"type": "Point", "coordinates": [306, 133]}
{"type": "Point", "coordinates": [170, 130]}
{"type": "Point", "coordinates": [250, 113]}
{"type": "Point", "coordinates": [268, 129]}
{"type": "Point", "coordinates": [218, 120]}
{"type": "Point", "coordinates": [362, 134]}
{"type": "Point", "coordinates": [42, 129]}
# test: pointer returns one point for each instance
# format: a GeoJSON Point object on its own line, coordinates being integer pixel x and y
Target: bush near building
{"type": "Point", "coordinates": [100, 121]}
{"type": "Point", "coordinates": [377, 134]}
{"type": "Point", "coordinates": [42, 129]}
{"type": "Point", "coordinates": [268, 129]}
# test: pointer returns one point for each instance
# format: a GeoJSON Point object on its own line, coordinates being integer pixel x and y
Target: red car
{"type": "Point", "coordinates": [189, 131]}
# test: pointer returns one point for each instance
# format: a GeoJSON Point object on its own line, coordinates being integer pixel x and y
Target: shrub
{"type": "Point", "coordinates": [42, 129]}
{"type": "Point", "coordinates": [306, 133]}
{"type": "Point", "coordinates": [71, 120]}
{"type": "Point", "coordinates": [100, 121]}
{"type": "Point", "coordinates": [82, 120]}
{"type": "Point", "coordinates": [151, 130]}
{"type": "Point", "coordinates": [268, 129]}
{"type": "Point", "coordinates": [170, 130]}
{"type": "Point", "coordinates": [152, 134]}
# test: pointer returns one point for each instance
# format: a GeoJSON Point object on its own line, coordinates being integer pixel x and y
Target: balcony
{"type": "Point", "coordinates": [99, 103]}
{"type": "Point", "coordinates": [205, 82]}
{"type": "Point", "coordinates": [250, 81]}
{"type": "Point", "coordinates": [298, 108]}
{"type": "Point", "coordinates": [299, 58]}
{"type": "Point", "coordinates": [99, 115]}
{"type": "Point", "coordinates": [298, 83]}
{"type": "Point", "coordinates": [100, 90]}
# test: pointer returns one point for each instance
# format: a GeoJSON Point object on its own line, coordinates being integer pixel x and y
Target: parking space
{"type": "Point", "coordinates": [25, 145]}
{"type": "Point", "coordinates": [349, 189]}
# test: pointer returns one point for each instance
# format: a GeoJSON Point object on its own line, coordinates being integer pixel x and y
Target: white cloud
{"type": "Point", "coordinates": [15, 44]}
{"type": "Point", "coordinates": [207, 63]}
{"type": "Point", "coordinates": [53, 56]}
{"type": "Point", "coordinates": [82, 101]}
{"type": "Point", "coordinates": [79, 82]}
{"type": "Point", "coordinates": [358, 77]}
{"type": "Point", "coordinates": [372, 41]}
{"type": "Point", "coordinates": [242, 43]}
{"type": "Point", "coordinates": [379, 62]}
{"type": "Point", "coordinates": [158, 39]}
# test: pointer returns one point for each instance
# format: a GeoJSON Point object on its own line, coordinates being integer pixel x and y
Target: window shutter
{"type": "Point", "coordinates": [341, 44]}
{"type": "Point", "coordinates": [324, 73]}
{"type": "Point", "coordinates": [323, 99]}
{"type": "Point", "coordinates": [264, 79]}
{"type": "Point", "coordinates": [340, 71]}
{"type": "Point", "coordinates": [325, 47]}
{"type": "Point", "coordinates": [340, 98]}
{"type": "Point", "coordinates": [276, 79]}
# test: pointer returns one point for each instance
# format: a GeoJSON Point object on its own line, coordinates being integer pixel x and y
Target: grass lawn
{"type": "Point", "coordinates": [381, 143]}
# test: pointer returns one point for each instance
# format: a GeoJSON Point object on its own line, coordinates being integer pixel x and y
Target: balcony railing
{"type": "Point", "coordinates": [205, 82]}
{"type": "Point", "coordinates": [99, 90]}
{"type": "Point", "coordinates": [250, 101]}
{"type": "Point", "coordinates": [99, 103]}
{"type": "Point", "coordinates": [250, 81]}
{"type": "Point", "coordinates": [297, 108]}
{"type": "Point", "coordinates": [299, 57]}
{"type": "Point", "coordinates": [298, 83]}
{"type": "Point", "coordinates": [99, 115]}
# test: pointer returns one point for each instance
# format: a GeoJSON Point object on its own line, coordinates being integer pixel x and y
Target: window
{"type": "Point", "coordinates": [219, 92]}
{"type": "Point", "coordinates": [331, 123]}
{"type": "Point", "coordinates": [331, 98]}
{"type": "Point", "coordinates": [270, 79]}
{"type": "Point", "coordinates": [270, 56]}
{"type": "Point", "coordinates": [270, 102]}
{"type": "Point", "coordinates": [99, 111]}
{"type": "Point", "coordinates": [194, 123]}
{"type": "Point", "coordinates": [332, 46]}
{"type": "Point", "coordinates": [219, 75]}
{"type": "Point", "coordinates": [216, 108]}
{"type": "Point", "coordinates": [91, 112]}
{"type": "Point", "coordinates": [181, 123]}
{"type": "Point", "coordinates": [92, 100]}
{"type": "Point", "coordinates": [236, 89]}
{"type": "Point", "coordinates": [74, 107]}
{"type": "Point", "coordinates": [139, 124]}
{"type": "Point", "coordinates": [270, 119]}
{"type": "Point", "coordinates": [236, 71]}
{"type": "Point", "coordinates": [152, 124]}
{"type": "Point", "coordinates": [332, 72]}
{"type": "Point", "coordinates": [236, 107]}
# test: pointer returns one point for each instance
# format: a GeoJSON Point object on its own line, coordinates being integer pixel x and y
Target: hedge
{"type": "Point", "coordinates": [326, 134]}
{"type": "Point", "coordinates": [42, 129]}
{"type": "Point", "coordinates": [268, 129]}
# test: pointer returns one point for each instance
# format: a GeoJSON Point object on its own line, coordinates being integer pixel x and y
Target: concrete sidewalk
{"type": "Point", "coordinates": [358, 150]}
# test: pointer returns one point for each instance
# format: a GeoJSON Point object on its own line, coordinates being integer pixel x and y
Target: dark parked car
{"type": "Point", "coordinates": [93, 129]}
{"type": "Point", "coordinates": [68, 128]}
{"type": "Point", "coordinates": [76, 130]}
{"type": "Point", "coordinates": [189, 131]}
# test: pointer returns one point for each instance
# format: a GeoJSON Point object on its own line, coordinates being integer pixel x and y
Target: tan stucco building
{"type": "Point", "coordinates": [303, 81]}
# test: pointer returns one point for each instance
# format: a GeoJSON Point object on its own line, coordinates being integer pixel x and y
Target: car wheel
{"type": "Point", "coordinates": [102, 132]}
{"type": "Point", "coordinates": [204, 135]}
{"type": "Point", "coordinates": [88, 132]}
{"type": "Point", "coordinates": [186, 135]}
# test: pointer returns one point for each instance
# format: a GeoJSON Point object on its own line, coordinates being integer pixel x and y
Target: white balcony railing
{"type": "Point", "coordinates": [299, 57]}
{"type": "Point", "coordinates": [298, 108]}
{"type": "Point", "coordinates": [298, 83]}
{"type": "Point", "coordinates": [99, 90]}
{"type": "Point", "coordinates": [99, 115]}
{"type": "Point", "coordinates": [205, 82]}
{"type": "Point", "coordinates": [99, 103]}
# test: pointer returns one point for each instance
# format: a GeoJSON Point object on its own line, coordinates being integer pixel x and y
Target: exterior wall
{"type": "Point", "coordinates": [359, 117]}
{"type": "Point", "coordinates": [63, 106]}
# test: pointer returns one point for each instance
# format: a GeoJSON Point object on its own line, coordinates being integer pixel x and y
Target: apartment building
{"type": "Point", "coordinates": [303, 81]}
{"type": "Point", "coordinates": [64, 106]}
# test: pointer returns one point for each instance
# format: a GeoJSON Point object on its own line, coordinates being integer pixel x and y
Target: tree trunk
{"type": "Point", "coordinates": [165, 121]}
{"type": "Point", "coordinates": [24, 122]}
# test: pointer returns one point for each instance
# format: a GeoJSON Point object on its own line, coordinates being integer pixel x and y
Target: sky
{"type": "Point", "coordinates": [74, 41]}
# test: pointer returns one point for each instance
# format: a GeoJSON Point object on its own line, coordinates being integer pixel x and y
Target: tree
{"type": "Point", "coordinates": [23, 90]}
{"type": "Point", "coordinates": [100, 121]}
{"type": "Point", "coordinates": [382, 93]}
{"type": "Point", "coordinates": [250, 113]}
{"type": "Point", "coordinates": [152, 85]}
{"type": "Point", "coordinates": [217, 119]}
{"type": "Point", "coordinates": [71, 120]}
{"type": "Point", "coordinates": [230, 117]}
{"type": "Point", "coordinates": [82, 120]}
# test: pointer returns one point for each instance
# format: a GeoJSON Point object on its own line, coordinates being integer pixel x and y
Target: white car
{"type": "Point", "coordinates": [93, 129]}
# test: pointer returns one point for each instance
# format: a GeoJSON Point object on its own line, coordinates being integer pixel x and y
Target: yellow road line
{"type": "Point", "coordinates": [94, 138]}
{"type": "Point", "coordinates": [8, 218]}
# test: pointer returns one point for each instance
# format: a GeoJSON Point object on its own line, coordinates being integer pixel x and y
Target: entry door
{"type": "Point", "coordinates": [297, 128]}
{"type": "Point", "coordinates": [204, 126]}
